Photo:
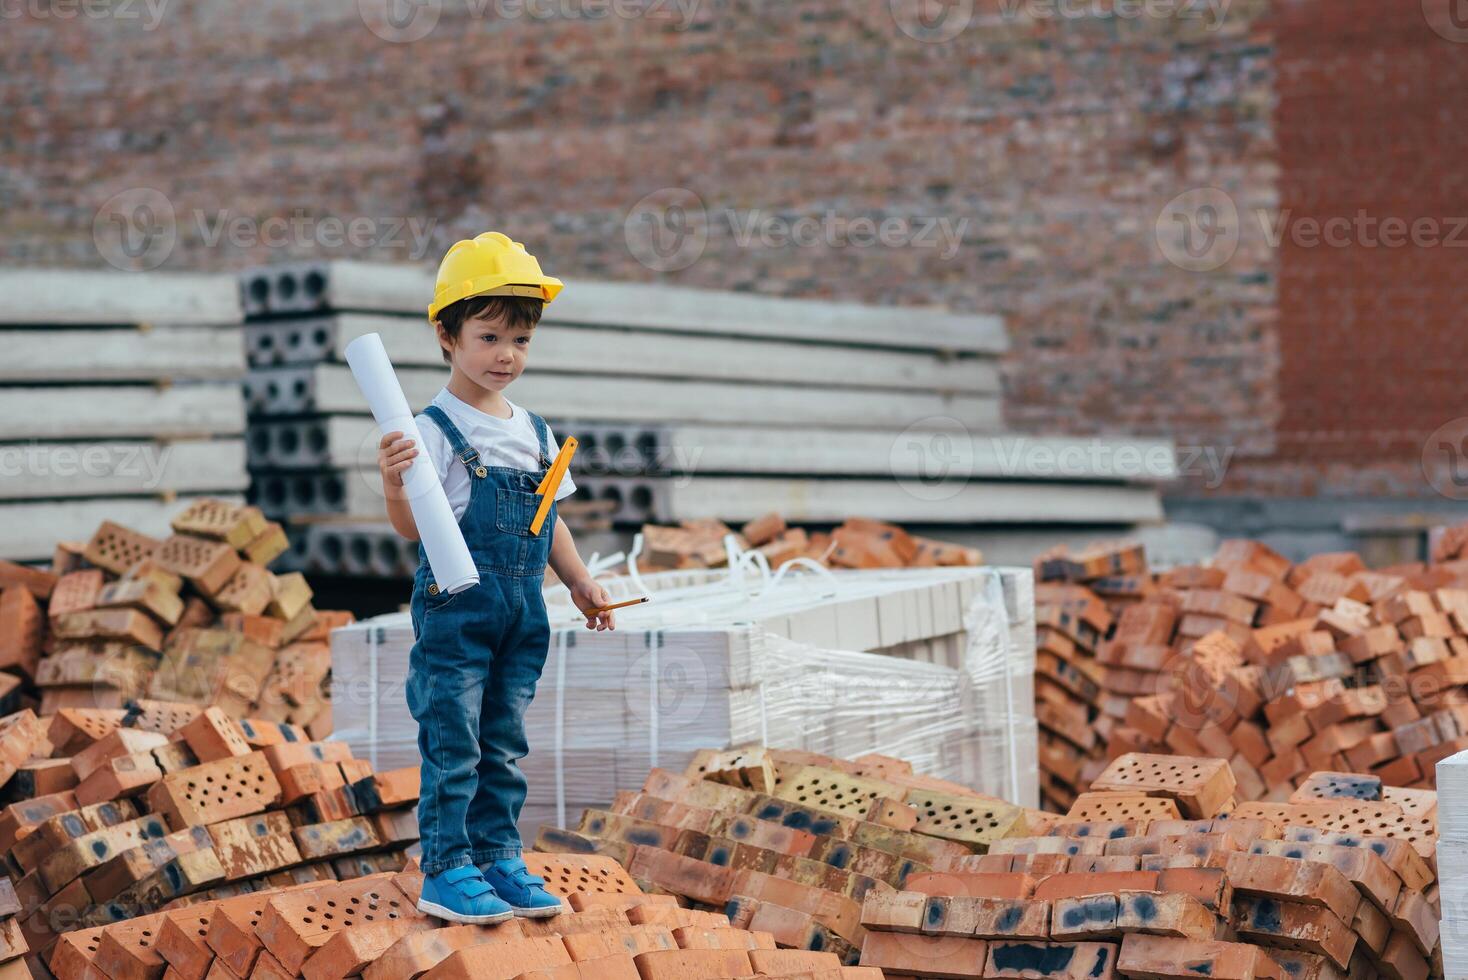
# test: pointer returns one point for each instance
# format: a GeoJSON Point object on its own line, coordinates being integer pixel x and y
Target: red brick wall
{"type": "Point", "coordinates": [1052, 142]}
{"type": "Point", "coordinates": [1369, 334]}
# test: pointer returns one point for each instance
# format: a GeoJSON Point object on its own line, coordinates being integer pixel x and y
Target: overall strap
{"type": "Point", "coordinates": [542, 433]}
{"type": "Point", "coordinates": [467, 454]}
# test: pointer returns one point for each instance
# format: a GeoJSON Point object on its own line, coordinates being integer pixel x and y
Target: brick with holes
{"type": "Point", "coordinates": [213, 735]}
{"type": "Point", "coordinates": [181, 940]}
{"type": "Point", "coordinates": [295, 924]}
{"type": "Point", "coordinates": [1201, 787]}
{"type": "Point", "coordinates": [129, 950]}
{"type": "Point", "coordinates": [73, 954]}
{"type": "Point", "coordinates": [215, 791]}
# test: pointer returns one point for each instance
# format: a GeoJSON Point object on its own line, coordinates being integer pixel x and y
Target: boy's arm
{"type": "Point", "coordinates": [586, 592]}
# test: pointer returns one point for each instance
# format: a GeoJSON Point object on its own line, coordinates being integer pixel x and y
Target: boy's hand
{"type": "Point", "coordinates": [589, 594]}
{"type": "Point", "coordinates": [394, 456]}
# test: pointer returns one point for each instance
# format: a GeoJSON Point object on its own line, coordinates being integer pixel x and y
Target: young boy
{"type": "Point", "coordinates": [479, 652]}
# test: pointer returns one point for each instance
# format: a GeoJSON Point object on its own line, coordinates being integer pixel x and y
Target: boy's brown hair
{"type": "Point", "coordinates": [516, 312]}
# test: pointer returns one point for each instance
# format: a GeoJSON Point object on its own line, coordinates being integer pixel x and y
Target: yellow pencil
{"type": "Point", "coordinates": [616, 605]}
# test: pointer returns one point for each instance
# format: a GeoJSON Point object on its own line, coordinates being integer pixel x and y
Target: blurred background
{"type": "Point", "coordinates": [1009, 273]}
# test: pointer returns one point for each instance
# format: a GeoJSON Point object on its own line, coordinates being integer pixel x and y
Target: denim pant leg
{"type": "Point", "coordinates": [495, 809]}
{"type": "Point", "coordinates": [448, 671]}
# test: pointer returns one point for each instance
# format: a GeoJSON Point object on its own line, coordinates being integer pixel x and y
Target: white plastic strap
{"type": "Point", "coordinates": [653, 639]}
{"type": "Point", "coordinates": [994, 589]}
{"type": "Point", "coordinates": [372, 739]}
{"type": "Point", "coordinates": [563, 645]}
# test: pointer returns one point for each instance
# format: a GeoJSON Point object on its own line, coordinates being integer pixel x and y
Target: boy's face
{"type": "Point", "coordinates": [488, 352]}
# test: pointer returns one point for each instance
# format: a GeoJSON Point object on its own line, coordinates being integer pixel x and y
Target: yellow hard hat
{"type": "Point", "coordinates": [490, 265]}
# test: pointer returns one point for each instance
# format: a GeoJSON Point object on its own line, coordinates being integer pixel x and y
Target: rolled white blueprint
{"type": "Point", "coordinates": [448, 555]}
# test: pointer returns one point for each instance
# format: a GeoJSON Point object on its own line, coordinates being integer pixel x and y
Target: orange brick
{"type": "Point", "coordinates": [1076, 885]}
{"type": "Point", "coordinates": [1165, 958]}
{"type": "Point", "coordinates": [349, 951]}
{"type": "Point", "coordinates": [1208, 885]}
{"type": "Point", "coordinates": [181, 941]}
{"type": "Point", "coordinates": [775, 962]}
{"type": "Point", "coordinates": [1165, 914]}
{"type": "Point", "coordinates": [129, 950]}
{"type": "Point", "coordinates": [293, 925]}
{"type": "Point", "coordinates": [633, 940]}
{"type": "Point", "coordinates": [419, 952]}
{"type": "Point", "coordinates": [22, 629]}
{"type": "Point", "coordinates": [1313, 928]}
{"type": "Point", "coordinates": [395, 787]}
{"type": "Point", "coordinates": [923, 956]}
{"type": "Point", "coordinates": [1061, 961]}
{"type": "Point", "coordinates": [1199, 786]}
{"type": "Point", "coordinates": [972, 885]}
{"type": "Point", "coordinates": [504, 961]}
{"type": "Point", "coordinates": [215, 791]}
{"type": "Point", "coordinates": [1307, 882]}
{"type": "Point", "coordinates": [213, 735]}
{"type": "Point", "coordinates": [694, 937]}
{"type": "Point", "coordinates": [893, 911]}
{"type": "Point", "coordinates": [582, 901]}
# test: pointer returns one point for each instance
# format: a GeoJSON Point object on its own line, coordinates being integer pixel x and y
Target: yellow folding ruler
{"type": "Point", "coordinates": [552, 482]}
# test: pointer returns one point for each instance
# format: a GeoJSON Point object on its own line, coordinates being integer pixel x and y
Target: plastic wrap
{"type": "Point", "coordinates": [443, 542]}
{"type": "Point", "coordinates": [943, 681]}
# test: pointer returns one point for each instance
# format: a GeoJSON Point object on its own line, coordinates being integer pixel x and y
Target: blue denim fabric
{"type": "Point", "coordinates": [477, 657]}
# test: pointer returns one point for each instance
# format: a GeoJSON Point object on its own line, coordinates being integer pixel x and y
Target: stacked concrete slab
{"type": "Point", "coordinates": [688, 404]}
{"type": "Point", "coordinates": [119, 396]}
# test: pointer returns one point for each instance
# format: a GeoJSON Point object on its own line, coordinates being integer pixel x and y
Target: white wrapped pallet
{"type": "Point", "coordinates": [720, 659]}
{"type": "Point", "coordinates": [1452, 862]}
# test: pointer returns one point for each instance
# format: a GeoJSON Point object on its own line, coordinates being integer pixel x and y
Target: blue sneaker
{"type": "Point", "coordinates": [462, 895]}
{"type": "Point", "coordinates": [524, 891]}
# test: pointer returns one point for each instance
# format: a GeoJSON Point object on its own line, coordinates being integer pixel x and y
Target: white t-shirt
{"type": "Point", "coordinates": [500, 442]}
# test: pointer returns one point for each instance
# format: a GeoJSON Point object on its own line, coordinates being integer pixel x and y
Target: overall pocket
{"type": "Point", "coordinates": [514, 510]}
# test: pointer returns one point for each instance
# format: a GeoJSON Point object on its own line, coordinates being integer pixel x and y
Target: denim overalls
{"type": "Point", "coordinates": [473, 669]}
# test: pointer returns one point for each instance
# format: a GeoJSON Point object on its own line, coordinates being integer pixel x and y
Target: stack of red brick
{"type": "Point", "coordinates": [1282, 669]}
{"type": "Point", "coordinates": [194, 617]}
{"type": "Point", "coordinates": [791, 842]}
{"type": "Point", "coordinates": [858, 543]}
{"type": "Point", "coordinates": [1162, 874]}
{"type": "Point", "coordinates": [161, 803]}
{"type": "Point", "coordinates": [370, 927]}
